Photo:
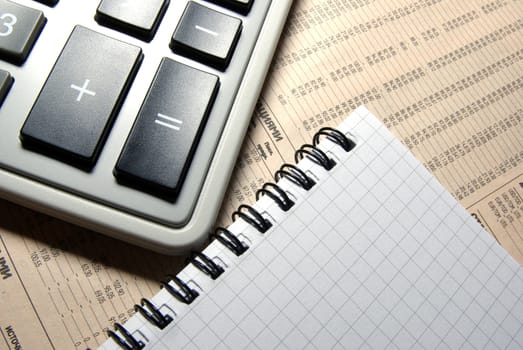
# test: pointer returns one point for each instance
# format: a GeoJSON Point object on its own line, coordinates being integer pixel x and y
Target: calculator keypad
{"type": "Point", "coordinates": [132, 106]}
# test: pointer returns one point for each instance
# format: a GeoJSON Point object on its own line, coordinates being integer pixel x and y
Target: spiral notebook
{"type": "Point", "coordinates": [358, 246]}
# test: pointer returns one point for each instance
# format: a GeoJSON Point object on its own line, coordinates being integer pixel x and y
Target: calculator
{"type": "Point", "coordinates": [126, 116]}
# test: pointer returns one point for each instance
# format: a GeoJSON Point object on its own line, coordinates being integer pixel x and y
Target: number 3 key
{"type": "Point", "coordinates": [20, 26]}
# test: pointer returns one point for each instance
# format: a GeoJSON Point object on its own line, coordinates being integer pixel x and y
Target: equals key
{"type": "Point", "coordinates": [164, 137]}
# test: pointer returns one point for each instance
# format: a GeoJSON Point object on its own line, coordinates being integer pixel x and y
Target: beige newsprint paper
{"type": "Point", "coordinates": [445, 76]}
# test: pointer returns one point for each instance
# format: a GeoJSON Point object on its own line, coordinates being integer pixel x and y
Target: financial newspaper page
{"type": "Point", "coordinates": [445, 76]}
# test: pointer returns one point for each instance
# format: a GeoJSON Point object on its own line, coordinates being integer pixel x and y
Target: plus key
{"type": "Point", "coordinates": [81, 97]}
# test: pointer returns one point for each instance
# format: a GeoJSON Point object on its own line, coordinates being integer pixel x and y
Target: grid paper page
{"type": "Point", "coordinates": [376, 255]}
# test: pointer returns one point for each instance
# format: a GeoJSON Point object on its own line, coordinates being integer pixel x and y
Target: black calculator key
{"type": "Point", "coordinates": [139, 18]}
{"type": "Point", "coordinates": [82, 95]}
{"type": "Point", "coordinates": [6, 80]}
{"type": "Point", "coordinates": [159, 149]}
{"type": "Point", "coordinates": [241, 6]}
{"type": "Point", "coordinates": [48, 2]}
{"type": "Point", "coordinates": [206, 35]}
{"type": "Point", "coordinates": [20, 26]}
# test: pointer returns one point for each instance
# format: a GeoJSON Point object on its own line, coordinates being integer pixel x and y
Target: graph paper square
{"type": "Point", "coordinates": [322, 283]}
{"type": "Point", "coordinates": [281, 326]}
{"type": "Point", "coordinates": [266, 340]}
{"type": "Point", "coordinates": [280, 296]}
{"type": "Point", "coordinates": [323, 339]}
{"type": "Point", "coordinates": [266, 310]}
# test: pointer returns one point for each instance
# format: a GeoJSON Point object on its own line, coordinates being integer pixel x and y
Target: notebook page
{"type": "Point", "coordinates": [376, 255]}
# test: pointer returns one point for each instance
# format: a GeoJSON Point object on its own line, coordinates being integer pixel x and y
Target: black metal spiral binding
{"type": "Point", "coordinates": [253, 217]}
{"type": "Point", "coordinates": [335, 136]}
{"type": "Point", "coordinates": [155, 316]}
{"type": "Point", "coordinates": [206, 265]}
{"type": "Point", "coordinates": [228, 239]}
{"type": "Point", "coordinates": [187, 295]}
{"type": "Point", "coordinates": [129, 342]}
{"type": "Point", "coordinates": [184, 294]}
{"type": "Point", "coordinates": [316, 155]}
{"type": "Point", "coordinates": [295, 175]}
{"type": "Point", "coordinates": [280, 197]}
